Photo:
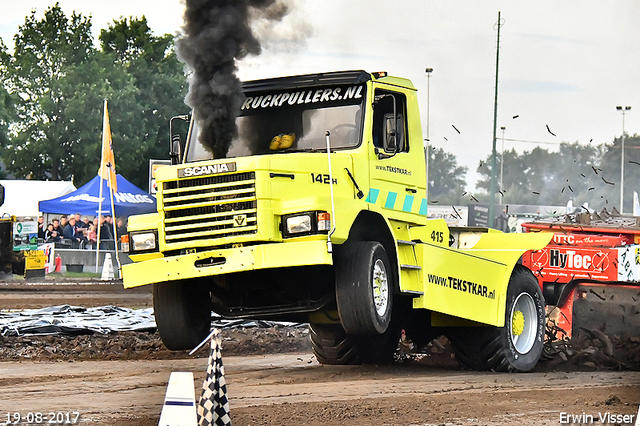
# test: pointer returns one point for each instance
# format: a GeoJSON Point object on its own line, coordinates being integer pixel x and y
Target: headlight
{"type": "Point", "coordinates": [298, 224]}
{"type": "Point", "coordinates": [305, 223]}
{"type": "Point", "coordinates": [143, 241]}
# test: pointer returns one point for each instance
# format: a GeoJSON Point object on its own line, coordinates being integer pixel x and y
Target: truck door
{"type": "Point", "coordinates": [396, 163]}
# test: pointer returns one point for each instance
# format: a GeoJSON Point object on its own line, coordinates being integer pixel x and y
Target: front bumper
{"type": "Point", "coordinates": [226, 261]}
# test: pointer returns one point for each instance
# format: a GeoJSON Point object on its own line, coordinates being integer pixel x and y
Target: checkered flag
{"type": "Point", "coordinates": [213, 406]}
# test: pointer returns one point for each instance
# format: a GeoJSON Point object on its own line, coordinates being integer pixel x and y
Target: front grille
{"type": "Point", "coordinates": [209, 208]}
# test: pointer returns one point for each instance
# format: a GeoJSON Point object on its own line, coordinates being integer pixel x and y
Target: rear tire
{"type": "Point", "coordinates": [380, 349]}
{"type": "Point", "coordinates": [332, 345]}
{"type": "Point", "coordinates": [517, 346]}
{"type": "Point", "coordinates": [183, 313]}
{"type": "Point", "coordinates": [364, 288]}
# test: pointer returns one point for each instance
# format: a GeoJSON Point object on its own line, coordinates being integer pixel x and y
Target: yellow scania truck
{"type": "Point", "coordinates": [318, 214]}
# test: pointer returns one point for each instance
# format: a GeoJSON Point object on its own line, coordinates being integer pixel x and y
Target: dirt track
{"type": "Point", "coordinates": [293, 389]}
{"type": "Point", "coordinates": [43, 293]}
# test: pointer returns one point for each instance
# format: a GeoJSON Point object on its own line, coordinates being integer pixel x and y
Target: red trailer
{"type": "Point", "coordinates": [590, 272]}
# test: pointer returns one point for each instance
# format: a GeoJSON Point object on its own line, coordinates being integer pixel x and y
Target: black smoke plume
{"type": "Point", "coordinates": [217, 33]}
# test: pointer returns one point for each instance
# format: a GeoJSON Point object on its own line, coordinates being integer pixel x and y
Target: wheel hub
{"type": "Point", "coordinates": [524, 323]}
{"type": "Point", "coordinates": [518, 323]}
{"type": "Point", "coordinates": [380, 286]}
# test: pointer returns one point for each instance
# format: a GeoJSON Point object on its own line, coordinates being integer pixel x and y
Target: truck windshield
{"type": "Point", "coordinates": [269, 124]}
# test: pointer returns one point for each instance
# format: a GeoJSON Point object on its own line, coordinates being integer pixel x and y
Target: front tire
{"type": "Point", "coordinates": [364, 288]}
{"type": "Point", "coordinates": [517, 346]}
{"type": "Point", "coordinates": [183, 313]}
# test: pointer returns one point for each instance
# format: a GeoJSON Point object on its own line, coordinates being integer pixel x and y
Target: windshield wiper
{"type": "Point", "coordinates": [359, 194]}
{"type": "Point", "coordinates": [288, 150]}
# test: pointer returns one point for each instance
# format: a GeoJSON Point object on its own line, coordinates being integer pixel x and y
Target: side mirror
{"type": "Point", "coordinates": [390, 132]}
{"type": "Point", "coordinates": [1, 195]}
{"type": "Point", "coordinates": [175, 148]}
{"type": "Point", "coordinates": [175, 152]}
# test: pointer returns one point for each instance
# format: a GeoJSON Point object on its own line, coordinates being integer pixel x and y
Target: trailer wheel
{"type": "Point", "coordinates": [517, 346]}
{"type": "Point", "coordinates": [364, 288]}
{"type": "Point", "coordinates": [183, 313]}
{"type": "Point", "coordinates": [332, 345]}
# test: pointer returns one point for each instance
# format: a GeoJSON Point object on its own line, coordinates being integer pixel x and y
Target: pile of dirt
{"type": "Point", "coordinates": [593, 349]}
{"type": "Point", "coordinates": [438, 352]}
{"type": "Point", "coordinates": [147, 345]}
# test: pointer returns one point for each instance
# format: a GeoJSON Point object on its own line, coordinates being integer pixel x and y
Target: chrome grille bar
{"type": "Point", "coordinates": [209, 208]}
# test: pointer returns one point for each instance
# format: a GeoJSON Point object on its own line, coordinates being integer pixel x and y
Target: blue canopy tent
{"type": "Point", "coordinates": [129, 200]}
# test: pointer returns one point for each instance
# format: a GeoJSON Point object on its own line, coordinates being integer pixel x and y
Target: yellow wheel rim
{"type": "Point", "coordinates": [517, 323]}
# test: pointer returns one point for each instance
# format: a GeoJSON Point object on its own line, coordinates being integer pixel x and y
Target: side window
{"type": "Point", "coordinates": [388, 135]}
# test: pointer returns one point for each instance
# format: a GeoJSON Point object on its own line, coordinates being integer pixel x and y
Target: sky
{"type": "Point", "coordinates": [565, 64]}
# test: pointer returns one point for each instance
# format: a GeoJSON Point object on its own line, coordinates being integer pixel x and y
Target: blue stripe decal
{"type": "Point", "coordinates": [180, 403]}
{"type": "Point", "coordinates": [391, 200]}
{"type": "Point", "coordinates": [372, 197]}
{"type": "Point", "coordinates": [408, 203]}
{"type": "Point", "coordinates": [423, 207]}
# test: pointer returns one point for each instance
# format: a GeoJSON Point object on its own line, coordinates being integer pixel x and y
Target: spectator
{"type": "Point", "coordinates": [92, 237]}
{"type": "Point", "coordinates": [67, 230]}
{"type": "Point", "coordinates": [106, 234]}
{"type": "Point", "coordinates": [80, 232]}
{"type": "Point", "coordinates": [121, 229]}
{"type": "Point", "coordinates": [96, 225]}
{"type": "Point", "coordinates": [106, 229]}
{"type": "Point", "coordinates": [72, 232]}
{"type": "Point", "coordinates": [63, 222]}
{"type": "Point", "coordinates": [57, 227]}
{"type": "Point", "coordinates": [51, 235]}
{"type": "Point", "coordinates": [121, 226]}
{"type": "Point", "coordinates": [41, 228]}
{"type": "Point", "coordinates": [79, 222]}
{"type": "Point", "coordinates": [80, 226]}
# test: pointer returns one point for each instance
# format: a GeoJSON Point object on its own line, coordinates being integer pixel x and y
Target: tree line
{"type": "Point", "coordinates": [589, 175]}
{"type": "Point", "coordinates": [53, 86]}
{"type": "Point", "coordinates": [54, 82]}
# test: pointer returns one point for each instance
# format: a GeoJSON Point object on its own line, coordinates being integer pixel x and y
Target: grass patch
{"type": "Point", "coordinates": [74, 275]}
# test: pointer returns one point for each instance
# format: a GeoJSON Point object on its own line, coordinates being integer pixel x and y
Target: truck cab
{"type": "Point", "coordinates": [317, 213]}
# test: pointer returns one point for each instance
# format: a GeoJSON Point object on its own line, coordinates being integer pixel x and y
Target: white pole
{"type": "Point", "coordinates": [333, 209]}
{"type": "Point", "coordinates": [427, 140]}
{"type": "Point", "coordinates": [622, 170]}
{"type": "Point", "coordinates": [624, 111]}
{"type": "Point", "coordinates": [502, 165]}
{"type": "Point", "coordinates": [427, 153]}
{"type": "Point", "coordinates": [104, 128]}
{"type": "Point", "coordinates": [99, 226]}
{"type": "Point", "coordinates": [115, 234]}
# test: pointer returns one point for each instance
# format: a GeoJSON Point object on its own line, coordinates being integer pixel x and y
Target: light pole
{"type": "Point", "coordinates": [492, 190]}
{"type": "Point", "coordinates": [624, 111]}
{"type": "Point", "coordinates": [502, 164]}
{"type": "Point", "coordinates": [426, 152]}
{"type": "Point", "coordinates": [428, 71]}
{"type": "Point", "coordinates": [426, 159]}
